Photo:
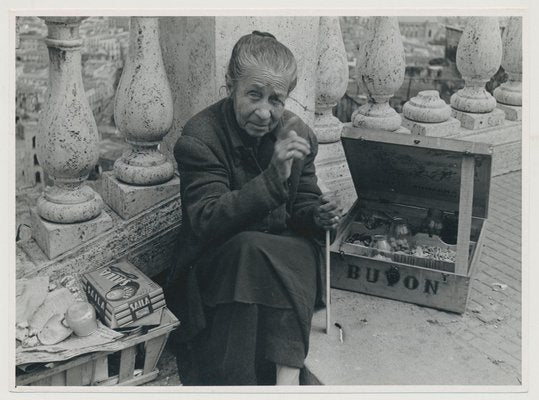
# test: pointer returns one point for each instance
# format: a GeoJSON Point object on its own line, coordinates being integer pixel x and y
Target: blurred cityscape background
{"type": "Point", "coordinates": [430, 47]}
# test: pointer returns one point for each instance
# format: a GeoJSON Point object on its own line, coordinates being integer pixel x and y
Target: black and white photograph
{"type": "Point", "coordinates": [218, 201]}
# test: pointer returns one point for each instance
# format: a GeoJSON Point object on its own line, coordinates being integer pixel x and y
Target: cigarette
{"type": "Point", "coordinates": [341, 332]}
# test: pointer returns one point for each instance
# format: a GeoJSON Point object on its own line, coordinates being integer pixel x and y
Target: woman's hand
{"type": "Point", "coordinates": [288, 147]}
{"type": "Point", "coordinates": [328, 214]}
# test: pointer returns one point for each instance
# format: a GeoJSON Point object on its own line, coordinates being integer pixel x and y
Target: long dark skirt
{"type": "Point", "coordinates": [258, 291]}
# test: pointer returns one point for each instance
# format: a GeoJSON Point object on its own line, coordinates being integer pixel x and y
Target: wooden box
{"type": "Point", "coordinates": [123, 296]}
{"type": "Point", "coordinates": [92, 368]}
{"type": "Point", "coordinates": [406, 176]}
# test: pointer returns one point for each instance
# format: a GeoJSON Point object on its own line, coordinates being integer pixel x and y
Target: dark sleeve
{"type": "Point", "coordinates": [308, 193]}
{"type": "Point", "coordinates": [214, 210]}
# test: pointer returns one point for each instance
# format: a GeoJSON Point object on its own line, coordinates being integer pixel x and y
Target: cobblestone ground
{"type": "Point", "coordinates": [493, 324]}
{"type": "Point", "coordinates": [400, 343]}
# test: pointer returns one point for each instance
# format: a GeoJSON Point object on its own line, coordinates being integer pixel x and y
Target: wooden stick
{"type": "Point", "coordinates": [465, 214]}
{"type": "Point", "coordinates": [328, 286]}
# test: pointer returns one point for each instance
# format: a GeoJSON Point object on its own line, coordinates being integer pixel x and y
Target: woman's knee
{"type": "Point", "coordinates": [247, 240]}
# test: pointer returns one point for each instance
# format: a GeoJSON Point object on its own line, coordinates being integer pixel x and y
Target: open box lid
{"type": "Point", "coordinates": [416, 170]}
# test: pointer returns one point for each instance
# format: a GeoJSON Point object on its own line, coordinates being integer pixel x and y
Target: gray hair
{"type": "Point", "coordinates": [262, 49]}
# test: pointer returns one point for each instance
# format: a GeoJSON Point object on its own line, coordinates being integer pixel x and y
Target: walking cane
{"type": "Point", "coordinates": [333, 193]}
{"type": "Point", "coordinates": [328, 286]}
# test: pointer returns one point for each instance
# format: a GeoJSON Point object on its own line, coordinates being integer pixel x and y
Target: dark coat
{"type": "Point", "coordinates": [226, 188]}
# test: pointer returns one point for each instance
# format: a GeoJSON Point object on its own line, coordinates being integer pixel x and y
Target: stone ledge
{"type": "Point", "coordinates": [55, 239]}
{"type": "Point", "coordinates": [512, 113]}
{"type": "Point", "coordinates": [130, 200]}
{"type": "Point", "coordinates": [332, 170]}
{"type": "Point", "coordinates": [151, 231]}
{"type": "Point", "coordinates": [506, 142]}
{"type": "Point", "coordinates": [438, 129]}
{"type": "Point", "coordinates": [474, 121]}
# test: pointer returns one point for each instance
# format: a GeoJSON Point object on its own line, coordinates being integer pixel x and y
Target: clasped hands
{"type": "Point", "coordinates": [289, 147]}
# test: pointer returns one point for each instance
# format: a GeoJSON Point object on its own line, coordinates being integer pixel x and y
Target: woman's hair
{"type": "Point", "coordinates": [261, 49]}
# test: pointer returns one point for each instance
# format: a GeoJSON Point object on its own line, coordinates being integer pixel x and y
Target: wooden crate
{"type": "Point", "coordinates": [406, 175]}
{"type": "Point", "coordinates": [88, 369]}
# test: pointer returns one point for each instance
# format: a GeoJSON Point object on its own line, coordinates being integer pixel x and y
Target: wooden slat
{"type": "Point", "coordinates": [153, 349]}
{"type": "Point", "coordinates": [27, 379]}
{"type": "Point", "coordinates": [428, 142]}
{"type": "Point", "coordinates": [127, 363]}
{"type": "Point", "coordinates": [88, 372]}
{"type": "Point", "coordinates": [465, 214]}
{"type": "Point", "coordinates": [74, 376]}
{"type": "Point", "coordinates": [138, 380]}
{"type": "Point", "coordinates": [101, 370]}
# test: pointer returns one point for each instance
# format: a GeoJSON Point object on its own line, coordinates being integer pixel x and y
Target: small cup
{"type": "Point", "coordinates": [380, 243]}
{"type": "Point", "coordinates": [80, 317]}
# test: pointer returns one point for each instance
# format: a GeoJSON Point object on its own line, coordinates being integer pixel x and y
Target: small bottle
{"type": "Point", "coordinates": [400, 235]}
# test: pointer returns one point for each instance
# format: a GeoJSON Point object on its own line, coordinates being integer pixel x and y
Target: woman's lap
{"type": "Point", "coordinates": [259, 292]}
{"type": "Point", "coordinates": [256, 267]}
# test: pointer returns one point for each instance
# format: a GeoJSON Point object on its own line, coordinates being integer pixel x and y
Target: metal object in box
{"type": "Point", "coordinates": [406, 175]}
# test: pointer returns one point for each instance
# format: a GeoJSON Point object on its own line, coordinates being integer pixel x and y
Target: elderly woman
{"type": "Point", "coordinates": [248, 270]}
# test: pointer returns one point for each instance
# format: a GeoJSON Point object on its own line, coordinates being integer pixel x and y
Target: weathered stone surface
{"type": "Point", "coordinates": [130, 200]}
{"type": "Point", "coordinates": [479, 55]}
{"type": "Point", "coordinates": [55, 239]}
{"type": "Point", "coordinates": [439, 129]}
{"type": "Point", "coordinates": [141, 238]}
{"type": "Point", "coordinates": [475, 121]}
{"type": "Point", "coordinates": [331, 79]}
{"type": "Point", "coordinates": [506, 142]}
{"type": "Point", "coordinates": [143, 107]}
{"type": "Point", "coordinates": [376, 116]}
{"type": "Point", "coordinates": [196, 51]}
{"type": "Point", "coordinates": [512, 113]}
{"type": "Point", "coordinates": [67, 147]}
{"type": "Point", "coordinates": [64, 206]}
{"type": "Point", "coordinates": [333, 173]}
{"type": "Point", "coordinates": [381, 66]}
{"type": "Point", "coordinates": [510, 92]}
{"type": "Point", "coordinates": [427, 107]}
{"type": "Point", "coordinates": [403, 130]}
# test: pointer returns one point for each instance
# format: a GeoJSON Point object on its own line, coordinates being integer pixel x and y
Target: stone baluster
{"type": "Point", "coordinates": [143, 112]}
{"type": "Point", "coordinates": [331, 79]}
{"type": "Point", "coordinates": [428, 115]}
{"type": "Point", "coordinates": [509, 94]}
{"type": "Point", "coordinates": [479, 54]}
{"type": "Point", "coordinates": [381, 67]}
{"type": "Point", "coordinates": [331, 83]}
{"type": "Point", "coordinates": [69, 211]}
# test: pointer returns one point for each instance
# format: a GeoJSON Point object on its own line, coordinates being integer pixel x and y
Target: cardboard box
{"type": "Point", "coordinates": [406, 176]}
{"type": "Point", "coordinates": [123, 296]}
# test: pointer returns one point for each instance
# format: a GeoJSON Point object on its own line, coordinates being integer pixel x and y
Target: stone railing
{"type": "Point", "coordinates": [134, 210]}
{"type": "Point", "coordinates": [473, 115]}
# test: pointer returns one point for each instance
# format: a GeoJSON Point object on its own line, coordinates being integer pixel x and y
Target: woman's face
{"type": "Point", "coordinates": [258, 99]}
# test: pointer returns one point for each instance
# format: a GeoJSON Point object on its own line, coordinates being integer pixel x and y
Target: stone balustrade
{"type": "Point", "coordinates": [143, 112]}
{"type": "Point", "coordinates": [73, 230]}
{"type": "Point", "coordinates": [381, 67]}
{"type": "Point", "coordinates": [509, 94]}
{"type": "Point", "coordinates": [142, 210]}
{"type": "Point", "coordinates": [331, 83]}
{"type": "Point", "coordinates": [69, 212]}
{"type": "Point", "coordinates": [331, 79]}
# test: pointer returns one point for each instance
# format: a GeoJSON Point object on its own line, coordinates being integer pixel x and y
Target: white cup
{"type": "Point", "coordinates": [80, 317]}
